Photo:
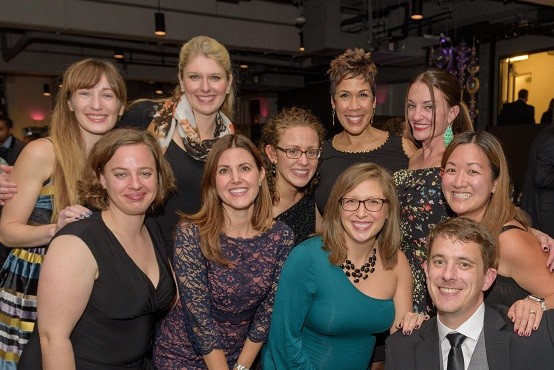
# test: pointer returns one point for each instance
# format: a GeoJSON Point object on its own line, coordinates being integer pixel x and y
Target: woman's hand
{"type": "Point", "coordinates": [70, 214]}
{"type": "Point", "coordinates": [7, 188]}
{"type": "Point", "coordinates": [526, 316]}
{"type": "Point", "coordinates": [547, 246]}
{"type": "Point", "coordinates": [411, 321]}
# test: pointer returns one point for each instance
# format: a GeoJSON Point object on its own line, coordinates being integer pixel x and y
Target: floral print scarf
{"type": "Point", "coordinates": [176, 113]}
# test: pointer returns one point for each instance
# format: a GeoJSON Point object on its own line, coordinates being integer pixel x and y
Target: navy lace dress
{"type": "Point", "coordinates": [220, 307]}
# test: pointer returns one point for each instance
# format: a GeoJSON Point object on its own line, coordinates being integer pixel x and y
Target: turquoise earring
{"type": "Point", "coordinates": [448, 135]}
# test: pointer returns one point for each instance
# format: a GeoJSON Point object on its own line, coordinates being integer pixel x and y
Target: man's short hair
{"type": "Point", "coordinates": [5, 118]}
{"type": "Point", "coordinates": [465, 230]}
{"type": "Point", "coordinates": [523, 94]}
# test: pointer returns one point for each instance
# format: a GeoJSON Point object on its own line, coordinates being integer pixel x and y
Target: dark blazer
{"type": "Point", "coordinates": [10, 154]}
{"type": "Point", "coordinates": [505, 349]}
{"type": "Point", "coordinates": [538, 185]}
{"type": "Point", "coordinates": [547, 117]}
{"type": "Point", "coordinates": [515, 113]}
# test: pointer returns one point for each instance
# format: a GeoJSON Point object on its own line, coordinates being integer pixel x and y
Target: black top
{"type": "Point", "coordinates": [333, 162]}
{"type": "Point", "coordinates": [300, 218]}
{"type": "Point", "coordinates": [188, 174]}
{"type": "Point", "coordinates": [505, 290]}
{"type": "Point", "coordinates": [117, 327]}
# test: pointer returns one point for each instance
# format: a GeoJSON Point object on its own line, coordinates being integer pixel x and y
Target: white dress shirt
{"type": "Point", "coordinates": [471, 329]}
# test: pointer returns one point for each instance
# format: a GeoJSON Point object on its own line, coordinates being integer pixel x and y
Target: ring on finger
{"type": "Point", "coordinates": [532, 312]}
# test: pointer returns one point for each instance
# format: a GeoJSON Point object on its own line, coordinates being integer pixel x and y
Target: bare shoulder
{"type": "Point", "coordinates": [38, 153]}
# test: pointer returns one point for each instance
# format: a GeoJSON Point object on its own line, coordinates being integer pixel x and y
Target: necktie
{"type": "Point", "coordinates": [455, 356]}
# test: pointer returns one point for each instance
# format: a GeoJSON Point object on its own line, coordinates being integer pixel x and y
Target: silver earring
{"type": "Point", "coordinates": [333, 116]}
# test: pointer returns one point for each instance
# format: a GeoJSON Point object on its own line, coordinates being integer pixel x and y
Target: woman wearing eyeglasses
{"type": "Point", "coordinates": [291, 146]}
{"type": "Point", "coordinates": [336, 291]}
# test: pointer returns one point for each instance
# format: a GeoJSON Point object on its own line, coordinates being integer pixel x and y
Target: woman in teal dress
{"type": "Point", "coordinates": [338, 289]}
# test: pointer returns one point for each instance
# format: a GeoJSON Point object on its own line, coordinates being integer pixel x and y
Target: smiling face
{"type": "Point", "coordinates": [362, 226]}
{"type": "Point", "coordinates": [130, 179]}
{"type": "Point", "coordinates": [96, 109]}
{"type": "Point", "coordinates": [456, 279]}
{"type": "Point", "coordinates": [205, 84]}
{"type": "Point", "coordinates": [354, 104]}
{"type": "Point", "coordinates": [467, 182]}
{"type": "Point", "coordinates": [294, 173]}
{"type": "Point", "coordinates": [237, 179]}
{"type": "Point", "coordinates": [421, 107]}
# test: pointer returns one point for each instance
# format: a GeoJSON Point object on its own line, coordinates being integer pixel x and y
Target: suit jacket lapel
{"type": "Point", "coordinates": [427, 351]}
{"type": "Point", "coordinates": [497, 343]}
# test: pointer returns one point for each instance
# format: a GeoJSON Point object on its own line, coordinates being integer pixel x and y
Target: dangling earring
{"type": "Point", "coordinates": [372, 117]}
{"type": "Point", "coordinates": [273, 169]}
{"type": "Point", "coordinates": [333, 117]}
{"type": "Point", "coordinates": [448, 135]}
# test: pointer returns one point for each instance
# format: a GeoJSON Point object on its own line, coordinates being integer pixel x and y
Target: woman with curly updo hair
{"type": "Point", "coordinates": [352, 77]}
{"type": "Point", "coordinates": [291, 145]}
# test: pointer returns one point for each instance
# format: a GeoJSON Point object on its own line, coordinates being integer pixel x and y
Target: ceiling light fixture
{"type": "Point", "coordinates": [118, 54]}
{"type": "Point", "coordinates": [519, 58]}
{"type": "Point", "coordinates": [417, 10]}
{"type": "Point", "coordinates": [46, 89]}
{"type": "Point", "coordinates": [301, 48]}
{"type": "Point", "coordinates": [159, 20]}
{"type": "Point", "coordinates": [243, 66]}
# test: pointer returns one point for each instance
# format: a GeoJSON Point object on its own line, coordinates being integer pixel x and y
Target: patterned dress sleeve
{"type": "Point", "coordinates": [191, 269]}
{"type": "Point", "coordinates": [297, 287]}
{"type": "Point", "coordinates": [259, 329]}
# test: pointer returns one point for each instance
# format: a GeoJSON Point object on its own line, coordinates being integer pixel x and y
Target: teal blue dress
{"type": "Point", "coordinates": [320, 319]}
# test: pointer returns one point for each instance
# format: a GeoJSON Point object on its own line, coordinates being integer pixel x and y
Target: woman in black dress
{"type": "Point", "coordinates": [104, 279]}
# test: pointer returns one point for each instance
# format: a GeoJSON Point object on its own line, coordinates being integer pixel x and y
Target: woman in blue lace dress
{"type": "Point", "coordinates": [228, 257]}
{"type": "Point", "coordinates": [291, 145]}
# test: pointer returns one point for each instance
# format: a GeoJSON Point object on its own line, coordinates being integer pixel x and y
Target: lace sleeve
{"type": "Point", "coordinates": [191, 269]}
{"type": "Point", "coordinates": [260, 325]}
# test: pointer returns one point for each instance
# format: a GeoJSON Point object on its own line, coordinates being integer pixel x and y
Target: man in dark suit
{"type": "Point", "coordinates": [461, 265]}
{"type": "Point", "coordinates": [517, 112]}
{"type": "Point", "coordinates": [10, 147]}
{"type": "Point", "coordinates": [538, 186]}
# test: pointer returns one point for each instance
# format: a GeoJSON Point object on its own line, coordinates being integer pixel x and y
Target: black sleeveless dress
{"type": "Point", "coordinates": [116, 329]}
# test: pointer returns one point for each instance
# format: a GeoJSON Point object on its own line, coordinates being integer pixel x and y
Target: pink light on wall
{"type": "Point", "coordinates": [382, 94]}
{"type": "Point", "coordinates": [37, 115]}
{"type": "Point", "coordinates": [264, 107]}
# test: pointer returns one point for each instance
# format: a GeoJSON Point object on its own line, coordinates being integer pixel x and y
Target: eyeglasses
{"type": "Point", "coordinates": [371, 204]}
{"type": "Point", "coordinates": [295, 153]}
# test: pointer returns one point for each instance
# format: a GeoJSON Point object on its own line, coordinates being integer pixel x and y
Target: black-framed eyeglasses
{"type": "Point", "coordinates": [295, 153]}
{"type": "Point", "coordinates": [371, 204]}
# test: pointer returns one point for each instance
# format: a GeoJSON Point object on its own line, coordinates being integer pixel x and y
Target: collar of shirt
{"type": "Point", "coordinates": [471, 328]}
{"type": "Point", "coordinates": [8, 142]}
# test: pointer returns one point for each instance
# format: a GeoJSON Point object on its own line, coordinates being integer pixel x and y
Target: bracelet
{"type": "Point", "coordinates": [238, 366]}
{"type": "Point", "coordinates": [539, 300]}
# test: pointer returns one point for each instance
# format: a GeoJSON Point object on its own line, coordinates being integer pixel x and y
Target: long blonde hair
{"type": "Point", "coordinates": [388, 239]}
{"type": "Point", "coordinates": [210, 220]}
{"type": "Point", "coordinates": [65, 133]}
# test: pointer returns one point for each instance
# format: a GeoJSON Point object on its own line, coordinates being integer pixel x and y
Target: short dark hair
{"type": "Point", "coordinates": [5, 118]}
{"type": "Point", "coordinates": [523, 94]}
{"type": "Point", "coordinates": [465, 230]}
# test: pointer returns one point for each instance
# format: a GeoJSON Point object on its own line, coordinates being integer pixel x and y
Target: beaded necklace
{"type": "Point", "coordinates": [363, 272]}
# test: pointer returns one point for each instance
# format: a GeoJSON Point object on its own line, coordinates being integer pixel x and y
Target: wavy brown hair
{"type": "Point", "coordinates": [64, 131]}
{"type": "Point", "coordinates": [210, 220]}
{"type": "Point", "coordinates": [449, 85]}
{"type": "Point", "coordinates": [271, 135]}
{"type": "Point", "coordinates": [500, 208]}
{"type": "Point", "coordinates": [90, 189]}
{"type": "Point", "coordinates": [352, 63]}
{"type": "Point", "coordinates": [388, 239]}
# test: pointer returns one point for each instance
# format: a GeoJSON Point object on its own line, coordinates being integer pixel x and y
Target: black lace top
{"type": "Point", "coordinates": [300, 218]}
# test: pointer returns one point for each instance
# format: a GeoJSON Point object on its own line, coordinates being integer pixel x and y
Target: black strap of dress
{"type": "Point", "coordinates": [510, 227]}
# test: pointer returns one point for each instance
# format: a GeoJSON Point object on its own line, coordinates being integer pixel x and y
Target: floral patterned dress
{"type": "Point", "coordinates": [422, 206]}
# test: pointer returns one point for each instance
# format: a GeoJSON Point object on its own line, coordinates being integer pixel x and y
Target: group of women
{"type": "Point", "coordinates": [230, 213]}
